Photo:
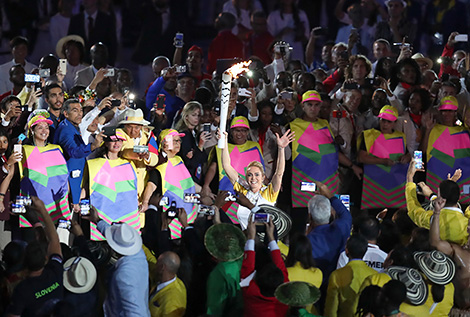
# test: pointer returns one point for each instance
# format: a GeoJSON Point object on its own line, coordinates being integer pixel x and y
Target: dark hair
{"type": "Point", "coordinates": [380, 69]}
{"type": "Point", "coordinates": [355, 58]}
{"type": "Point", "coordinates": [12, 69]}
{"type": "Point", "coordinates": [420, 240]}
{"type": "Point", "coordinates": [392, 295]}
{"type": "Point", "coordinates": [450, 191]}
{"type": "Point", "coordinates": [356, 246]}
{"type": "Point", "coordinates": [13, 255]}
{"type": "Point", "coordinates": [369, 301]}
{"type": "Point", "coordinates": [402, 256]}
{"type": "Point", "coordinates": [8, 99]}
{"type": "Point", "coordinates": [48, 88]}
{"type": "Point", "coordinates": [286, 80]}
{"type": "Point", "coordinates": [203, 95]}
{"type": "Point", "coordinates": [78, 45]}
{"type": "Point", "coordinates": [404, 223]}
{"type": "Point", "coordinates": [394, 80]}
{"type": "Point", "coordinates": [423, 94]}
{"type": "Point", "coordinates": [35, 256]}
{"type": "Point", "coordinates": [67, 103]}
{"type": "Point", "coordinates": [300, 250]}
{"type": "Point", "coordinates": [389, 236]}
{"type": "Point", "coordinates": [18, 40]}
{"type": "Point", "coordinates": [369, 228]}
{"type": "Point", "coordinates": [268, 279]}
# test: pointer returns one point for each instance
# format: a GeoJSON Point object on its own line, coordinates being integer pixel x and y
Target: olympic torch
{"type": "Point", "coordinates": [227, 77]}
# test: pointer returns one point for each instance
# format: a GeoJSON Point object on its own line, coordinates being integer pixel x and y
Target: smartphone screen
{"type": "Point", "coordinates": [345, 200]}
{"type": "Point", "coordinates": [17, 148]}
{"type": "Point", "coordinates": [261, 217]}
{"type": "Point", "coordinates": [308, 187]}
{"type": "Point", "coordinates": [32, 78]}
{"type": "Point", "coordinates": [63, 66]}
{"type": "Point", "coordinates": [418, 157]}
{"type": "Point", "coordinates": [466, 189]}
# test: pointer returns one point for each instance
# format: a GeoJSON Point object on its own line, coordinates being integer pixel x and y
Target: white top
{"type": "Point", "coordinates": [244, 18]}
{"type": "Point", "coordinates": [58, 28]}
{"type": "Point", "coordinates": [276, 24]}
{"type": "Point", "coordinates": [374, 258]}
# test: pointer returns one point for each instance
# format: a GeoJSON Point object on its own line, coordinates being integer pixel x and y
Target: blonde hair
{"type": "Point", "coordinates": [256, 164]}
{"type": "Point", "coordinates": [189, 108]}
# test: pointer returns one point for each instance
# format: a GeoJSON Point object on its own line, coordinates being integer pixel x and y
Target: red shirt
{"type": "Point", "coordinates": [225, 45]}
{"type": "Point", "coordinates": [256, 304]}
{"type": "Point", "coordinates": [447, 69]}
{"type": "Point", "coordinates": [258, 45]}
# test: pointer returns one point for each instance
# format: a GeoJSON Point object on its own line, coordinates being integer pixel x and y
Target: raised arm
{"type": "Point", "coordinates": [51, 233]}
{"type": "Point", "coordinates": [232, 174]}
{"type": "Point", "coordinates": [282, 142]}
{"type": "Point", "coordinates": [434, 231]}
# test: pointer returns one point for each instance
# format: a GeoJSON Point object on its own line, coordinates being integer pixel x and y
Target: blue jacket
{"type": "Point", "coordinates": [172, 103]}
{"type": "Point", "coordinates": [75, 152]}
{"type": "Point", "coordinates": [329, 240]}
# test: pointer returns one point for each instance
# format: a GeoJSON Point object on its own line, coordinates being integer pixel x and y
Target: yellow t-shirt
{"type": "Point", "coordinates": [313, 276]}
{"type": "Point", "coordinates": [267, 192]}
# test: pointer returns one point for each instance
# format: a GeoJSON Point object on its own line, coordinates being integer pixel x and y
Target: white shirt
{"type": "Point", "coordinates": [374, 258]}
{"type": "Point", "coordinates": [58, 28]}
{"type": "Point", "coordinates": [165, 284]}
{"type": "Point", "coordinates": [71, 73]}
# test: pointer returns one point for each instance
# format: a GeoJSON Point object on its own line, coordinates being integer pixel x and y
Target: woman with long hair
{"type": "Point", "coordinates": [192, 143]}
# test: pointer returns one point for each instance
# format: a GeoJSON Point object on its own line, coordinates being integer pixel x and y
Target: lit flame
{"type": "Point", "coordinates": [239, 68]}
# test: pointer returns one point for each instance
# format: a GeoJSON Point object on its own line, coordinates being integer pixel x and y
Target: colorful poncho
{"type": "Point", "coordinates": [384, 186]}
{"type": "Point", "coordinates": [176, 181]}
{"type": "Point", "coordinates": [240, 157]}
{"type": "Point", "coordinates": [314, 158]}
{"type": "Point", "coordinates": [113, 192]}
{"type": "Point", "coordinates": [448, 149]}
{"type": "Point", "coordinates": [44, 174]}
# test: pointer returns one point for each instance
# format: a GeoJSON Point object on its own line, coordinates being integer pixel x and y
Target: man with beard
{"type": "Point", "coordinates": [54, 97]}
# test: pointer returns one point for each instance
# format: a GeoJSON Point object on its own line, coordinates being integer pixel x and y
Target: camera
{"type": "Point", "coordinates": [206, 210]}
{"type": "Point", "coordinates": [84, 207]}
{"type": "Point", "coordinates": [260, 217]}
{"type": "Point", "coordinates": [44, 73]}
{"type": "Point", "coordinates": [115, 103]}
{"type": "Point", "coordinates": [109, 72]}
{"type": "Point", "coordinates": [140, 149]}
{"type": "Point", "coordinates": [171, 211]}
{"type": "Point", "coordinates": [339, 114]}
{"type": "Point", "coordinates": [64, 224]}
{"type": "Point", "coordinates": [192, 198]}
{"type": "Point", "coordinates": [160, 101]}
{"type": "Point", "coordinates": [308, 187]}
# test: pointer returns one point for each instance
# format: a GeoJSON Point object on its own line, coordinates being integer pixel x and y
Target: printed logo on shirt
{"type": "Point", "coordinates": [46, 291]}
{"type": "Point", "coordinates": [375, 264]}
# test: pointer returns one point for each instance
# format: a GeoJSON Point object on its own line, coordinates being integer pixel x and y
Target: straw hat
{"type": "Point", "coordinates": [225, 242]}
{"type": "Point", "coordinates": [297, 294]}
{"type": "Point", "coordinates": [79, 275]}
{"type": "Point", "coordinates": [437, 267]}
{"type": "Point", "coordinates": [135, 116]}
{"type": "Point", "coordinates": [416, 289]}
{"type": "Point", "coordinates": [60, 44]}
{"type": "Point", "coordinates": [281, 220]}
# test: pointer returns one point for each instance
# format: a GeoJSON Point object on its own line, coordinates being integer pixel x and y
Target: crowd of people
{"type": "Point", "coordinates": [312, 184]}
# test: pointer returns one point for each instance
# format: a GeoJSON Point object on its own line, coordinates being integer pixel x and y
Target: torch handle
{"type": "Point", "coordinates": [225, 92]}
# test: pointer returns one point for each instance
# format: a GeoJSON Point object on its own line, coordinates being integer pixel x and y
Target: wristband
{"type": "Point", "coordinates": [2, 194]}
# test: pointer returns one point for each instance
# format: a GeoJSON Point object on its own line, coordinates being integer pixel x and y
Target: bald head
{"type": "Point", "coordinates": [170, 261]}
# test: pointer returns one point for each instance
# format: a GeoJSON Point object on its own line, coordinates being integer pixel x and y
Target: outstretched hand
{"type": "Point", "coordinates": [456, 176]}
{"type": "Point", "coordinates": [287, 138]}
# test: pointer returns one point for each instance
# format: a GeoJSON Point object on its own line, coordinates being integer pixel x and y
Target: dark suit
{"type": "Point", "coordinates": [152, 42]}
{"type": "Point", "coordinates": [104, 30]}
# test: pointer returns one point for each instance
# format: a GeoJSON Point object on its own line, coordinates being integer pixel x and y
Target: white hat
{"type": "Point", "coordinates": [123, 239]}
{"type": "Point", "coordinates": [437, 266]}
{"type": "Point", "coordinates": [79, 275]}
{"type": "Point", "coordinates": [135, 116]}
{"type": "Point", "coordinates": [60, 44]}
